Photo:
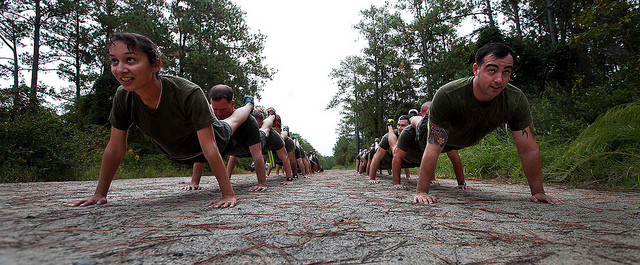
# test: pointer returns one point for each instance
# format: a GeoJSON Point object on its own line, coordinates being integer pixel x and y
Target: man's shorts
{"type": "Point", "coordinates": [224, 141]}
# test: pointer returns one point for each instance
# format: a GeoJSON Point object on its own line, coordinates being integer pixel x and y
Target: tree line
{"type": "Point", "coordinates": [576, 60]}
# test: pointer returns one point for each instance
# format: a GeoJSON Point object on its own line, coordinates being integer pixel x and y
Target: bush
{"type": "Point", "coordinates": [37, 146]}
{"type": "Point", "coordinates": [606, 154]}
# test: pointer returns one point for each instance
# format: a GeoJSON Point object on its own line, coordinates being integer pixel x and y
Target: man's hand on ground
{"type": "Point", "coordinates": [541, 197]}
{"type": "Point", "coordinates": [258, 188]}
{"type": "Point", "coordinates": [226, 201]}
{"type": "Point", "coordinates": [192, 187]}
{"type": "Point", "coordinates": [424, 198]}
{"type": "Point", "coordinates": [95, 199]}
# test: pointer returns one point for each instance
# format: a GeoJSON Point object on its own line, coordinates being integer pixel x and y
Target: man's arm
{"type": "Point", "coordinates": [113, 154]}
{"type": "Point", "coordinates": [456, 162]}
{"type": "Point", "coordinates": [261, 172]}
{"type": "Point", "coordinates": [210, 151]}
{"type": "Point", "coordinates": [531, 164]}
{"type": "Point", "coordinates": [436, 141]}
{"type": "Point", "coordinates": [286, 167]}
{"type": "Point", "coordinates": [396, 168]}
{"type": "Point", "coordinates": [375, 164]}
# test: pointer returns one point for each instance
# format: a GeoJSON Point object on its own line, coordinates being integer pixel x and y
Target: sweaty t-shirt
{"type": "Point", "coordinates": [182, 111]}
{"type": "Point", "coordinates": [468, 120]}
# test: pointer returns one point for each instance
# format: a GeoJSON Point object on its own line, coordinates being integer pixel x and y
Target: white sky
{"type": "Point", "coordinates": [305, 40]}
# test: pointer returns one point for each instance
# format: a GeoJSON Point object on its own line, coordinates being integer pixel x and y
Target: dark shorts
{"type": "Point", "coordinates": [224, 141]}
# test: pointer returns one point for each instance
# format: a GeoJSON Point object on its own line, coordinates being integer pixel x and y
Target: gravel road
{"type": "Point", "coordinates": [334, 217]}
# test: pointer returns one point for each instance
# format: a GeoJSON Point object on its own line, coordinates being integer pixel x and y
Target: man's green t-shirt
{"type": "Point", "coordinates": [273, 142]}
{"type": "Point", "coordinates": [182, 111]}
{"type": "Point", "coordinates": [468, 120]}
{"type": "Point", "coordinates": [407, 142]}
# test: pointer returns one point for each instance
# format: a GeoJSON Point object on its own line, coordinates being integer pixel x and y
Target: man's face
{"type": "Point", "coordinates": [222, 108]}
{"type": "Point", "coordinates": [491, 77]}
{"type": "Point", "coordinates": [402, 124]}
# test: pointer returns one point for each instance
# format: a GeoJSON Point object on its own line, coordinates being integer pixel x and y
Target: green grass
{"type": "Point", "coordinates": [606, 154]}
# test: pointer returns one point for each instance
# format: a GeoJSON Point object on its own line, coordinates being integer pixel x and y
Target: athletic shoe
{"type": "Point", "coordinates": [277, 122]}
{"type": "Point", "coordinates": [413, 112]}
{"type": "Point", "coordinates": [390, 122]}
{"type": "Point", "coordinates": [271, 111]}
{"type": "Point", "coordinates": [248, 99]}
{"type": "Point", "coordinates": [285, 128]}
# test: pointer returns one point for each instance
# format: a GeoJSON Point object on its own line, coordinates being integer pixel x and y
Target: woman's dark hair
{"type": "Point", "coordinates": [139, 42]}
{"type": "Point", "coordinates": [498, 50]}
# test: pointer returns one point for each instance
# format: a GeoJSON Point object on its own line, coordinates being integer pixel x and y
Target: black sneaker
{"type": "Point", "coordinates": [413, 112]}
{"type": "Point", "coordinates": [390, 122]}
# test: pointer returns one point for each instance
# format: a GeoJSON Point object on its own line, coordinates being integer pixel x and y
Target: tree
{"type": "Point", "coordinates": [430, 36]}
{"type": "Point", "coordinates": [70, 37]}
{"type": "Point", "coordinates": [386, 74]}
{"type": "Point", "coordinates": [44, 13]}
{"type": "Point", "coordinates": [13, 29]}
{"type": "Point", "coordinates": [214, 46]}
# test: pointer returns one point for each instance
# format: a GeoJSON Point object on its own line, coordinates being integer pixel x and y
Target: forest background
{"type": "Point", "coordinates": [578, 62]}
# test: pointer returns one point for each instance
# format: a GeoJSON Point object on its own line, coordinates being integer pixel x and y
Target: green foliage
{"type": "Point", "coordinates": [46, 149]}
{"type": "Point", "coordinates": [606, 153]}
{"type": "Point", "coordinates": [344, 151]}
{"type": "Point", "coordinates": [495, 157]}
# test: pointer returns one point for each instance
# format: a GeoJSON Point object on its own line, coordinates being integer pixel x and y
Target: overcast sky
{"type": "Point", "coordinates": [305, 40]}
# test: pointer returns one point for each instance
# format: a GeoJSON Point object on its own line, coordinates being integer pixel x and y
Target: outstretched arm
{"type": "Point", "coordinates": [396, 168]}
{"type": "Point", "coordinates": [210, 151]}
{"type": "Point", "coordinates": [375, 164]}
{"type": "Point", "coordinates": [261, 173]}
{"type": "Point", "coordinates": [113, 154]}
{"type": "Point", "coordinates": [435, 143]}
{"type": "Point", "coordinates": [531, 164]}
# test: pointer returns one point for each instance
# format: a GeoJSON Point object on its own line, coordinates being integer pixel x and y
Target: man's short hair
{"type": "Point", "coordinates": [221, 91]}
{"type": "Point", "coordinates": [499, 50]}
{"type": "Point", "coordinates": [403, 117]}
{"type": "Point", "coordinates": [425, 105]}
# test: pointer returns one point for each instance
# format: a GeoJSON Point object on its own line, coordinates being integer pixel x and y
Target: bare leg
{"type": "Point", "coordinates": [267, 124]}
{"type": "Point", "coordinates": [239, 116]}
{"type": "Point", "coordinates": [392, 137]}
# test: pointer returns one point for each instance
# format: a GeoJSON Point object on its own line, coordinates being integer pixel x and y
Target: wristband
{"type": "Point", "coordinates": [289, 179]}
{"type": "Point", "coordinates": [464, 183]}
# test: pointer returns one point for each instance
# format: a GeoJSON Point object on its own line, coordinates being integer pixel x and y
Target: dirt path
{"type": "Point", "coordinates": [334, 217]}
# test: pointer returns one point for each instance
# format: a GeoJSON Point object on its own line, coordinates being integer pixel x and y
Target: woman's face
{"type": "Point", "coordinates": [131, 67]}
